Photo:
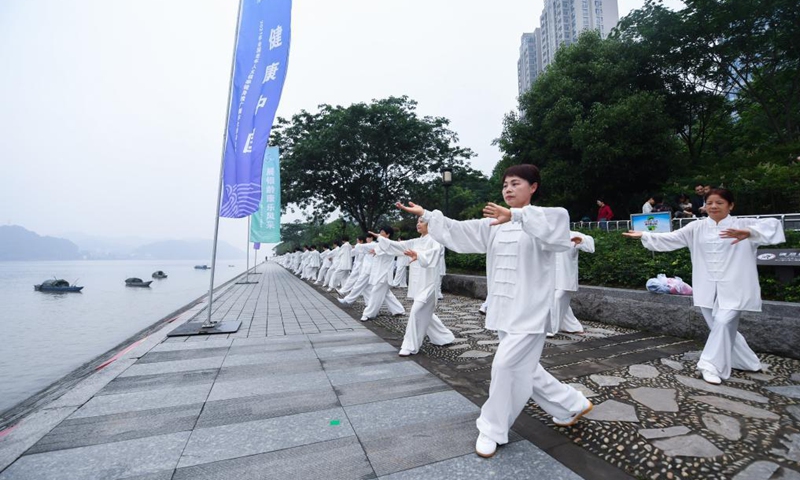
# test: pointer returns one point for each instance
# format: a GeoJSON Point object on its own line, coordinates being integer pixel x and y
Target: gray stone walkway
{"type": "Point", "coordinates": [302, 390]}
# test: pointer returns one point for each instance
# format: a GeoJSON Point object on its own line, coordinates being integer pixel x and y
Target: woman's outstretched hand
{"type": "Point", "coordinates": [632, 234]}
{"type": "Point", "coordinates": [411, 208]}
{"type": "Point", "coordinates": [411, 254]}
{"type": "Point", "coordinates": [739, 235]}
{"type": "Point", "coordinates": [500, 214]}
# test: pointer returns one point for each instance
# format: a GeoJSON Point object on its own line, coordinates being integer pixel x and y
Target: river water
{"type": "Point", "coordinates": [44, 336]}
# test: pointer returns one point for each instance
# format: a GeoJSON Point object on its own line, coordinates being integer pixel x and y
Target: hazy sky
{"type": "Point", "coordinates": [112, 111]}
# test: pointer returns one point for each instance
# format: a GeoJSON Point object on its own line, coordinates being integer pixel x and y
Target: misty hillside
{"type": "Point", "coordinates": [17, 243]}
{"type": "Point", "coordinates": [186, 250]}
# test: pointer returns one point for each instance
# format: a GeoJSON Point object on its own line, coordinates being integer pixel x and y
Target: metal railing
{"type": "Point", "coordinates": [790, 221]}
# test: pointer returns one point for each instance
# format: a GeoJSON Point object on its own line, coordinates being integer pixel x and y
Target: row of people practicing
{"type": "Point", "coordinates": [522, 245]}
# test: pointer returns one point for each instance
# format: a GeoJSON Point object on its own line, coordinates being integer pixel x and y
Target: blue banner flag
{"type": "Point", "coordinates": [260, 62]}
{"type": "Point", "coordinates": [265, 226]}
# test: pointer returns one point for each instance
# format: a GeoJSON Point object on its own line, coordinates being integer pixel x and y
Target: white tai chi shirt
{"type": "Point", "coordinates": [567, 262]}
{"type": "Point", "coordinates": [520, 261]}
{"type": "Point", "coordinates": [720, 269]}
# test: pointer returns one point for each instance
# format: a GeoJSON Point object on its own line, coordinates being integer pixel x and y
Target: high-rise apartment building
{"type": "Point", "coordinates": [560, 24]}
{"type": "Point", "coordinates": [530, 59]}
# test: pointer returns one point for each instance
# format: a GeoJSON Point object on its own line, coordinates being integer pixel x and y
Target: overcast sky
{"type": "Point", "coordinates": [112, 112]}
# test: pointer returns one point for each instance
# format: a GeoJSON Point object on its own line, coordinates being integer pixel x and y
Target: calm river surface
{"type": "Point", "coordinates": [44, 336]}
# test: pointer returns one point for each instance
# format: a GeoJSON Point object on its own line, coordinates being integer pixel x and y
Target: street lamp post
{"type": "Point", "coordinates": [447, 182]}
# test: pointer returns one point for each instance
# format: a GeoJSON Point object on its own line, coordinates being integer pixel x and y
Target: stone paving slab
{"type": "Point", "coordinates": [224, 442]}
{"type": "Point", "coordinates": [518, 460]}
{"type": "Point", "coordinates": [341, 458]}
{"type": "Point", "coordinates": [101, 462]}
{"type": "Point", "coordinates": [80, 432]}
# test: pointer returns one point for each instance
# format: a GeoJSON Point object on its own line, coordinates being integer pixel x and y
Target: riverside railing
{"type": "Point", "coordinates": [790, 221]}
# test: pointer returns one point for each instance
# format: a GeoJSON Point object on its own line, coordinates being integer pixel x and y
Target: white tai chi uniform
{"type": "Point", "coordinates": [520, 271]}
{"type": "Point", "coordinates": [422, 288]}
{"type": "Point", "coordinates": [357, 256]}
{"type": "Point", "coordinates": [343, 263]}
{"type": "Point", "coordinates": [562, 318]}
{"type": "Point", "coordinates": [400, 273]}
{"type": "Point", "coordinates": [324, 265]}
{"type": "Point", "coordinates": [724, 283]}
{"type": "Point", "coordinates": [312, 266]}
{"type": "Point", "coordinates": [380, 293]}
{"type": "Point", "coordinates": [361, 287]}
{"type": "Point", "coordinates": [332, 259]}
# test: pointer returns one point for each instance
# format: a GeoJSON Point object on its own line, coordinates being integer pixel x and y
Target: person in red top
{"type": "Point", "coordinates": [605, 212]}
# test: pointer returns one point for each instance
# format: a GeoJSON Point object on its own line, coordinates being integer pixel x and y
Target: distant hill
{"type": "Point", "coordinates": [17, 243]}
{"type": "Point", "coordinates": [186, 250]}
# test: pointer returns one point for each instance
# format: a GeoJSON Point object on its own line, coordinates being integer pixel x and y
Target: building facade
{"type": "Point", "coordinates": [561, 22]}
{"type": "Point", "coordinates": [530, 59]}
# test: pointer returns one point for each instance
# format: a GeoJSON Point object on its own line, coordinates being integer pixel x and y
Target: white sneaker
{"type": "Point", "coordinates": [485, 447]}
{"type": "Point", "coordinates": [550, 335]}
{"type": "Point", "coordinates": [405, 353]}
{"type": "Point", "coordinates": [364, 319]}
{"type": "Point", "coordinates": [570, 421]}
{"type": "Point", "coordinates": [711, 377]}
{"type": "Point", "coordinates": [343, 301]}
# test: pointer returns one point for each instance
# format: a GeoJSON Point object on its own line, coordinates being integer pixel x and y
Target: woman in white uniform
{"type": "Point", "coordinates": [520, 246]}
{"type": "Point", "coordinates": [563, 320]}
{"type": "Point", "coordinates": [724, 277]}
{"type": "Point", "coordinates": [424, 253]}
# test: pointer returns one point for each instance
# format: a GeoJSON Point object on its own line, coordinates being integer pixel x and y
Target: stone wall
{"type": "Point", "coordinates": [775, 330]}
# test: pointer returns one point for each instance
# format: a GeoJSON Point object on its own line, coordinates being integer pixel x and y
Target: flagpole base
{"type": "Point", "coordinates": [197, 328]}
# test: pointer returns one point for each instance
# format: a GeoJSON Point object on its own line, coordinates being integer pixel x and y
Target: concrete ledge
{"type": "Point", "coordinates": [775, 330]}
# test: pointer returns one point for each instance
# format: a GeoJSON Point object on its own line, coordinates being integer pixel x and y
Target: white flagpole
{"type": "Point", "coordinates": [247, 249]}
{"type": "Point", "coordinates": [208, 323]}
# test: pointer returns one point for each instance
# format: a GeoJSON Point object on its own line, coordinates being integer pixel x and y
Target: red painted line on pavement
{"type": "Point", "coordinates": [123, 352]}
{"type": "Point", "coordinates": [8, 430]}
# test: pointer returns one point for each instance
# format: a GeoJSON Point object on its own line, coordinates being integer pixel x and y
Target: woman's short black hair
{"type": "Point", "coordinates": [723, 193]}
{"type": "Point", "coordinates": [527, 172]}
{"type": "Point", "coordinates": [345, 238]}
{"type": "Point", "coordinates": [388, 229]}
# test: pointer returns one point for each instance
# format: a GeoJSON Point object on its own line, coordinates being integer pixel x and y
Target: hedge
{"type": "Point", "coordinates": [623, 262]}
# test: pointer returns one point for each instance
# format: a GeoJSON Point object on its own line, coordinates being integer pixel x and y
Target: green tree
{"type": "Point", "coordinates": [595, 127]}
{"type": "Point", "coordinates": [360, 159]}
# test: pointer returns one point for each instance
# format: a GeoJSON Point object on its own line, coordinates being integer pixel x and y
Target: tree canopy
{"type": "Point", "coordinates": [362, 158]}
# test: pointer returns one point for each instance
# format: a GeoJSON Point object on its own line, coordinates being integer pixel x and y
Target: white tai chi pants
{"type": "Point", "coordinates": [338, 278]}
{"type": "Point", "coordinates": [328, 276]}
{"type": "Point", "coordinates": [726, 348]}
{"type": "Point", "coordinates": [351, 280]}
{"type": "Point", "coordinates": [322, 272]}
{"type": "Point", "coordinates": [516, 377]}
{"type": "Point", "coordinates": [400, 276]}
{"type": "Point", "coordinates": [561, 317]}
{"type": "Point", "coordinates": [382, 295]}
{"type": "Point", "coordinates": [310, 273]}
{"type": "Point", "coordinates": [360, 288]}
{"type": "Point", "coordinates": [422, 321]}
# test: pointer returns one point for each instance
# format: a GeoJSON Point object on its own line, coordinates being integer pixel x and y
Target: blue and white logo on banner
{"type": "Point", "coordinates": [265, 226]}
{"type": "Point", "coordinates": [262, 55]}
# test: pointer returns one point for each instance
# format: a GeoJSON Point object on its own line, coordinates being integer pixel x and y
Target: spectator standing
{"type": "Point", "coordinates": [604, 214]}
{"type": "Point", "coordinates": [698, 201]}
{"type": "Point", "coordinates": [648, 205]}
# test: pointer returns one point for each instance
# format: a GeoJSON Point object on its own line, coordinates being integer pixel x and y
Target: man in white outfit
{"type": "Point", "coordinates": [400, 272]}
{"type": "Point", "coordinates": [343, 264]}
{"type": "Point", "coordinates": [324, 264]}
{"type": "Point", "coordinates": [424, 253]}
{"type": "Point", "coordinates": [379, 279]}
{"type": "Point", "coordinates": [562, 318]}
{"type": "Point", "coordinates": [357, 256]}
{"type": "Point", "coordinates": [361, 287]}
